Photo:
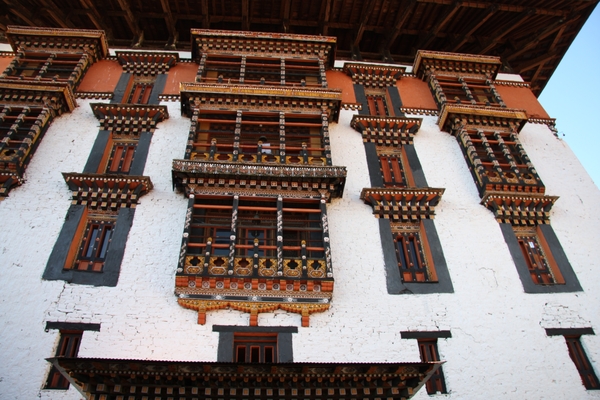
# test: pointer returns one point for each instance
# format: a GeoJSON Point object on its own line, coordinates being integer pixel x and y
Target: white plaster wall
{"type": "Point", "coordinates": [498, 348]}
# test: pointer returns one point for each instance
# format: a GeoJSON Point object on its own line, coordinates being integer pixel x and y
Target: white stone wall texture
{"type": "Point", "coordinates": [498, 350]}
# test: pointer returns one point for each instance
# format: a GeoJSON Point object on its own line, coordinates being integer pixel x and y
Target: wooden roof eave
{"type": "Point", "coordinates": [95, 376]}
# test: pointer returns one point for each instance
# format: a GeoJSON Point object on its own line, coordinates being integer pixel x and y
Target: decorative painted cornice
{"type": "Point", "coordinates": [454, 116]}
{"type": "Point", "coordinates": [519, 209]}
{"type": "Point", "coordinates": [57, 97]}
{"type": "Point", "coordinates": [455, 64]}
{"type": "Point", "coordinates": [373, 75]}
{"type": "Point", "coordinates": [512, 83]}
{"type": "Point", "coordinates": [57, 39]}
{"type": "Point", "coordinates": [107, 191]}
{"type": "Point", "coordinates": [234, 96]}
{"type": "Point", "coordinates": [147, 63]}
{"type": "Point", "coordinates": [418, 111]}
{"type": "Point", "coordinates": [386, 131]}
{"type": "Point", "coordinates": [243, 178]}
{"type": "Point", "coordinates": [402, 204]}
{"type": "Point", "coordinates": [8, 180]}
{"type": "Point", "coordinates": [128, 118]}
{"type": "Point", "coordinates": [96, 377]}
{"type": "Point", "coordinates": [94, 95]}
{"type": "Point", "coordinates": [282, 45]}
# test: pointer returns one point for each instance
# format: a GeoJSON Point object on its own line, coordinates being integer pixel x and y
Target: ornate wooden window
{"type": "Point", "coordinates": [16, 124]}
{"type": "Point", "coordinates": [498, 161]}
{"type": "Point", "coordinates": [538, 257]}
{"type": "Point", "coordinates": [68, 346]}
{"type": "Point", "coordinates": [378, 104]}
{"type": "Point", "coordinates": [584, 367]}
{"type": "Point", "coordinates": [261, 70]}
{"type": "Point", "coordinates": [45, 66]}
{"type": "Point", "coordinates": [259, 137]}
{"type": "Point", "coordinates": [255, 347]}
{"type": "Point", "coordinates": [463, 90]}
{"type": "Point", "coordinates": [95, 243]}
{"type": "Point", "coordinates": [139, 93]}
{"type": "Point", "coordinates": [429, 352]}
{"type": "Point", "coordinates": [121, 157]}
{"type": "Point", "coordinates": [392, 170]}
{"type": "Point", "coordinates": [412, 253]}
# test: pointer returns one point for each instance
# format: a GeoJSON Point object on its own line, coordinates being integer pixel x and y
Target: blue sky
{"type": "Point", "coordinates": [571, 95]}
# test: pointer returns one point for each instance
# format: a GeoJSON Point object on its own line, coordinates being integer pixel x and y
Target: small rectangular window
{"type": "Point", "coordinates": [429, 352]}
{"type": "Point", "coordinates": [410, 252]}
{"type": "Point", "coordinates": [95, 243]}
{"type": "Point", "coordinates": [121, 157]}
{"type": "Point", "coordinates": [68, 346]}
{"type": "Point", "coordinates": [392, 170]}
{"type": "Point", "coordinates": [538, 258]}
{"type": "Point", "coordinates": [584, 367]}
{"type": "Point", "coordinates": [255, 347]}
{"type": "Point", "coordinates": [377, 105]}
{"type": "Point", "coordinates": [140, 93]}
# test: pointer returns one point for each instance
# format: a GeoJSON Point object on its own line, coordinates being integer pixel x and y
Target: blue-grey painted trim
{"type": "Point", "coordinates": [114, 255]}
{"type": "Point", "coordinates": [560, 257]}
{"type": "Point", "coordinates": [269, 329]}
{"type": "Point", "coordinates": [569, 331]}
{"type": "Point", "coordinates": [98, 149]}
{"type": "Point", "coordinates": [393, 278]}
{"type": "Point", "coordinates": [58, 257]}
{"type": "Point", "coordinates": [285, 351]}
{"type": "Point", "coordinates": [415, 166]}
{"type": "Point", "coordinates": [157, 88]}
{"type": "Point", "coordinates": [141, 154]}
{"type": "Point", "coordinates": [121, 88]}
{"type": "Point", "coordinates": [72, 326]}
{"type": "Point", "coordinates": [394, 95]}
{"type": "Point", "coordinates": [571, 285]}
{"type": "Point", "coordinates": [425, 334]}
{"type": "Point", "coordinates": [373, 165]}
{"type": "Point", "coordinates": [361, 97]}
{"type": "Point", "coordinates": [225, 347]}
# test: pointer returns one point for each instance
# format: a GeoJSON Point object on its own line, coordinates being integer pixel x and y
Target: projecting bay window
{"type": "Point", "coordinates": [47, 67]}
{"type": "Point", "coordinates": [262, 71]}
{"type": "Point", "coordinates": [472, 91]}
{"type": "Point", "coordinates": [256, 236]}
{"type": "Point", "coordinates": [414, 261]}
{"type": "Point", "coordinates": [20, 128]}
{"type": "Point", "coordinates": [267, 137]}
{"type": "Point", "coordinates": [498, 161]}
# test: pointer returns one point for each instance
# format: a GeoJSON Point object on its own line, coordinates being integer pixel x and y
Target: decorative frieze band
{"type": "Point", "coordinates": [143, 63]}
{"type": "Point", "coordinates": [386, 131]}
{"type": "Point", "coordinates": [107, 191]}
{"type": "Point", "coordinates": [372, 75]}
{"type": "Point", "coordinates": [129, 119]}
{"type": "Point", "coordinates": [519, 209]}
{"type": "Point", "coordinates": [403, 205]}
{"type": "Point", "coordinates": [455, 64]}
{"type": "Point", "coordinates": [454, 116]}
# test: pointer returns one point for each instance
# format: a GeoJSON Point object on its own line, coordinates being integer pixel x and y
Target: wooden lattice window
{"type": "Point", "coordinates": [250, 347]}
{"type": "Point", "coordinates": [411, 253]}
{"type": "Point", "coordinates": [378, 105]}
{"type": "Point", "coordinates": [584, 367]}
{"type": "Point", "coordinates": [16, 125]}
{"type": "Point", "coordinates": [537, 255]}
{"type": "Point", "coordinates": [56, 66]}
{"type": "Point", "coordinates": [95, 243]}
{"type": "Point", "coordinates": [121, 157]}
{"type": "Point", "coordinates": [392, 170]}
{"type": "Point", "coordinates": [68, 346]}
{"type": "Point", "coordinates": [468, 91]}
{"type": "Point", "coordinates": [429, 352]}
{"type": "Point", "coordinates": [140, 93]}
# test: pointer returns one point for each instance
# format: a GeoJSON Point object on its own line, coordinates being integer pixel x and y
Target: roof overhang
{"type": "Point", "coordinates": [141, 379]}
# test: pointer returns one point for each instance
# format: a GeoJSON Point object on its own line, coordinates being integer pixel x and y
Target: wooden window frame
{"type": "Point", "coordinates": [281, 335]}
{"type": "Point", "coordinates": [255, 347]}
{"type": "Point", "coordinates": [428, 351]}
{"type": "Point", "coordinates": [121, 155]}
{"type": "Point", "coordinates": [582, 362]}
{"type": "Point", "coordinates": [405, 234]}
{"type": "Point", "coordinates": [88, 254]}
{"type": "Point", "coordinates": [68, 346]}
{"type": "Point", "coordinates": [538, 257]}
{"type": "Point", "coordinates": [393, 172]}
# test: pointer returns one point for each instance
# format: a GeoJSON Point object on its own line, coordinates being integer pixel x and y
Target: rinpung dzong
{"type": "Point", "coordinates": [331, 229]}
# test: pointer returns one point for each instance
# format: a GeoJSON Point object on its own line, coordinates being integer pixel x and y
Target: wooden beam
{"type": "Point", "coordinates": [245, 21]}
{"type": "Point", "coordinates": [131, 21]}
{"type": "Point", "coordinates": [287, 6]}
{"type": "Point", "coordinates": [57, 15]}
{"type": "Point", "coordinates": [474, 26]}
{"type": "Point", "coordinates": [401, 17]}
{"type": "Point", "coordinates": [205, 16]}
{"type": "Point", "coordinates": [324, 17]}
{"type": "Point", "coordinates": [22, 12]}
{"type": "Point", "coordinates": [503, 7]}
{"type": "Point", "coordinates": [529, 64]}
{"type": "Point", "coordinates": [170, 22]}
{"type": "Point", "coordinates": [93, 14]}
{"type": "Point", "coordinates": [505, 30]}
{"type": "Point", "coordinates": [365, 13]}
{"type": "Point", "coordinates": [530, 43]}
{"type": "Point", "coordinates": [436, 29]}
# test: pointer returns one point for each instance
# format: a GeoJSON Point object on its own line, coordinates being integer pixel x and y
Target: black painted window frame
{"type": "Point", "coordinates": [226, 350]}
